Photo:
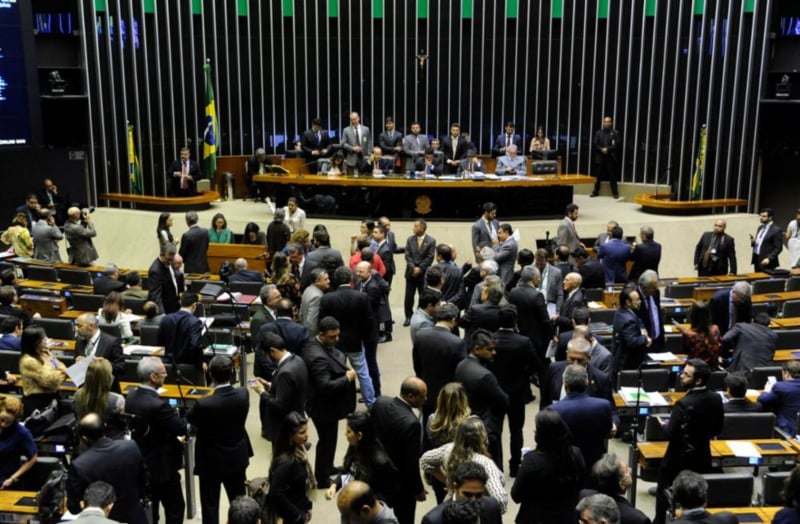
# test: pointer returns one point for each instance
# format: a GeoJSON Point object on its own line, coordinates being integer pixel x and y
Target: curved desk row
{"type": "Point", "coordinates": [398, 196]}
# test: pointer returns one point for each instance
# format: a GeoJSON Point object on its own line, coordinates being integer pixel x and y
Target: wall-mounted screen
{"type": "Point", "coordinates": [15, 117]}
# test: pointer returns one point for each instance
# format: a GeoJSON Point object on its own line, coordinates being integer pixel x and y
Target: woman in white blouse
{"type": "Point", "coordinates": [295, 217]}
{"type": "Point", "coordinates": [540, 142]}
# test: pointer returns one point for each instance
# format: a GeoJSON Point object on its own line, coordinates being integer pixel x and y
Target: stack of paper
{"type": "Point", "coordinates": [646, 398]}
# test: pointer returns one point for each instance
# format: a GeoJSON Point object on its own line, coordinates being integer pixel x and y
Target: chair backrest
{"type": "Point", "coordinates": [652, 379]}
{"type": "Point", "coordinates": [148, 335]}
{"type": "Point", "coordinates": [679, 291]}
{"type": "Point", "coordinates": [136, 305]}
{"type": "Point", "coordinates": [44, 273]}
{"type": "Point", "coordinates": [791, 308]}
{"type": "Point", "coordinates": [246, 288]}
{"type": "Point", "coordinates": [35, 477]}
{"type": "Point", "coordinates": [769, 285]}
{"type": "Point", "coordinates": [653, 429]}
{"type": "Point", "coordinates": [77, 277]}
{"type": "Point", "coordinates": [729, 490]}
{"type": "Point", "coordinates": [747, 426]}
{"type": "Point", "coordinates": [243, 310]}
{"type": "Point", "coordinates": [758, 376]}
{"type": "Point", "coordinates": [772, 487]}
{"type": "Point", "coordinates": [793, 284]}
{"type": "Point", "coordinates": [593, 294]}
{"type": "Point", "coordinates": [603, 315]}
{"type": "Point", "coordinates": [9, 361]}
{"type": "Point", "coordinates": [190, 375]}
{"type": "Point", "coordinates": [115, 330]}
{"type": "Point", "coordinates": [196, 285]}
{"type": "Point", "coordinates": [56, 327]}
{"type": "Point", "coordinates": [83, 302]}
{"type": "Point", "coordinates": [787, 338]}
{"type": "Point", "coordinates": [716, 382]}
{"type": "Point", "coordinates": [673, 342]}
{"type": "Point", "coordinates": [129, 373]}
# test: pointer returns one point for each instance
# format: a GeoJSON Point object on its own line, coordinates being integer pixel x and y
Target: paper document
{"type": "Point", "coordinates": [551, 309]}
{"type": "Point", "coordinates": [667, 356]}
{"type": "Point", "coordinates": [647, 398]}
{"type": "Point", "coordinates": [77, 371]}
{"type": "Point", "coordinates": [743, 448]}
{"type": "Point", "coordinates": [139, 349]}
{"type": "Point", "coordinates": [595, 305]}
{"type": "Point", "coordinates": [551, 350]}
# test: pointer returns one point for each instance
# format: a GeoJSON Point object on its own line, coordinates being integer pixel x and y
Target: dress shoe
{"type": "Point", "coordinates": [407, 322]}
{"type": "Point", "coordinates": [385, 338]}
{"type": "Point", "coordinates": [593, 195]}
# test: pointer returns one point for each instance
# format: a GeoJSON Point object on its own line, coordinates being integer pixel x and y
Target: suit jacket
{"type": "Point", "coordinates": [309, 141]}
{"type": "Point", "coordinates": [155, 429]}
{"type": "Point", "coordinates": [315, 256]}
{"type": "Point", "coordinates": [331, 395]}
{"type": "Point", "coordinates": [105, 460]}
{"type": "Point", "coordinates": [81, 249]}
{"type": "Point", "coordinates": [486, 316]}
{"type": "Point", "coordinates": [481, 235]}
{"type": "Point", "coordinates": [593, 275]}
{"type": "Point", "coordinates": [351, 309]}
{"type": "Point", "coordinates": [513, 364]}
{"type": "Point", "coordinates": [93, 515]}
{"type": "Point", "coordinates": [570, 304]}
{"type": "Point", "coordinates": [435, 353]}
{"type": "Point", "coordinates": [421, 257]}
{"type": "Point", "coordinates": [506, 257]}
{"type": "Point", "coordinates": [377, 291]}
{"type": "Point", "coordinates": [532, 318]}
{"type": "Point", "coordinates": [287, 393]}
{"type": "Point", "coordinates": [631, 345]}
{"type": "Point", "coordinates": [502, 142]}
{"type": "Point", "coordinates": [161, 289]}
{"type": "Point", "coordinates": [645, 313]}
{"type": "Point", "coordinates": [627, 513]}
{"type": "Point", "coordinates": [175, 182]}
{"type": "Point", "coordinates": [567, 234]}
{"type": "Point", "coordinates": [294, 334]}
{"type": "Point", "coordinates": [436, 167]}
{"type": "Point", "coordinates": [694, 421]}
{"type": "Point", "coordinates": [309, 309]}
{"type": "Point", "coordinates": [611, 139]}
{"type": "Point", "coordinates": [599, 384]}
{"type": "Point", "coordinates": [723, 517]}
{"type": "Point", "coordinates": [223, 447]}
{"type": "Point", "coordinates": [770, 248]}
{"type": "Point", "coordinates": [720, 313]}
{"type": "Point", "coordinates": [453, 290]}
{"type": "Point", "coordinates": [400, 432]}
{"type": "Point", "coordinates": [518, 163]}
{"type": "Point", "coordinates": [110, 348]}
{"type": "Point", "coordinates": [554, 290]}
{"type": "Point", "coordinates": [490, 512]}
{"type": "Point", "coordinates": [352, 158]}
{"type": "Point", "coordinates": [414, 147]}
{"type": "Point", "coordinates": [486, 398]}
{"type": "Point", "coordinates": [753, 346]}
{"type": "Point", "coordinates": [720, 258]}
{"type": "Point", "coordinates": [388, 143]}
{"type": "Point", "coordinates": [784, 400]}
{"type": "Point", "coordinates": [742, 405]}
{"type": "Point", "coordinates": [194, 250]}
{"type": "Point", "coordinates": [45, 242]}
{"type": "Point", "coordinates": [385, 252]}
{"type": "Point", "coordinates": [31, 215]}
{"type": "Point", "coordinates": [590, 420]}
{"type": "Point", "coordinates": [614, 255]}
{"type": "Point", "coordinates": [453, 153]}
{"type": "Point", "coordinates": [384, 166]}
{"type": "Point", "coordinates": [246, 276]}
{"type": "Point", "coordinates": [181, 335]}
{"type": "Point", "coordinates": [105, 285]}
{"type": "Point", "coordinates": [646, 255]}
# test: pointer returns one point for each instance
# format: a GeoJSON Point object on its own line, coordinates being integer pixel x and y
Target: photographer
{"type": "Point", "coordinates": [79, 231]}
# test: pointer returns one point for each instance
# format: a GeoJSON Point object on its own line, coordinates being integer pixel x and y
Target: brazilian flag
{"type": "Point", "coordinates": [696, 190]}
{"type": "Point", "coordinates": [211, 129]}
{"type": "Point", "coordinates": [134, 169]}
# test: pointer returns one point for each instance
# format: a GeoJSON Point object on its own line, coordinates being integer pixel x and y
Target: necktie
{"type": "Point", "coordinates": [508, 140]}
{"type": "Point", "coordinates": [416, 139]}
{"type": "Point", "coordinates": [760, 239]}
{"type": "Point", "coordinates": [174, 280]}
{"type": "Point", "coordinates": [92, 347]}
{"type": "Point", "coordinates": [419, 241]}
{"type": "Point", "coordinates": [654, 318]}
{"type": "Point", "coordinates": [358, 138]}
{"type": "Point", "coordinates": [319, 138]}
{"type": "Point", "coordinates": [455, 146]}
{"type": "Point", "coordinates": [711, 247]}
{"type": "Point", "coordinates": [184, 173]}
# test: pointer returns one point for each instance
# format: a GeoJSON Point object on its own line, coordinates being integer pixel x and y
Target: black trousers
{"type": "Point", "coordinates": [414, 285]}
{"type": "Point", "coordinates": [326, 448]}
{"type": "Point", "coordinates": [516, 419]}
{"type": "Point", "coordinates": [404, 507]}
{"type": "Point", "coordinates": [607, 169]}
{"type": "Point", "coordinates": [170, 495]}
{"type": "Point", "coordinates": [209, 493]}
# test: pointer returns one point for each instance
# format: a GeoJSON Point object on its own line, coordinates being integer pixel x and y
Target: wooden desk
{"type": "Point", "coordinates": [43, 285]}
{"type": "Point", "coordinates": [785, 323]}
{"type": "Point", "coordinates": [540, 196]}
{"type": "Point", "coordinates": [772, 298]}
{"type": "Point", "coordinates": [11, 508]}
{"type": "Point", "coordinates": [752, 513]}
{"type": "Point", "coordinates": [651, 453]}
{"type": "Point", "coordinates": [219, 253]}
{"type": "Point", "coordinates": [172, 390]}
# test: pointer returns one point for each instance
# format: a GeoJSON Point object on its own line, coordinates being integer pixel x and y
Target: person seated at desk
{"type": "Point", "coordinates": [539, 143]}
{"type": "Point", "coordinates": [429, 164]}
{"type": "Point", "coordinates": [41, 372]}
{"type": "Point", "coordinates": [95, 396]}
{"type": "Point", "coordinates": [689, 491]}
{"type": "Point", "coordinates": [243, 274]}
{"type": "Point", "coordinates": [113, 314]}
{"type": "Point", "coordinates": [511, 163]}
{"type": "Point", "coordinates": [15, 442]}
{"type": "Point", "coordinates": [10, 331]}
{"type": "Point", "coordinates": [335, 166]}
{"type": "Point", "coordinates": [737, 399]}
{"type": "Point", "coordinates": [219, 233]}
{"type": "Point", "coordinates": [471, 164]}
{"type": "Point", "coordinates": [10, 308]}
{"type": "Point", "coordinates": [377, 164]}
{"type": "Point", "coordinates": [134, 282]}
{"type": "Point", "coordinates": [18, 236]}
{"type": "Point", "coordinates": [151, 315]}
{"type": "Point", "coordinates": [109, 281]}
{"type": "Point", "coordinates": [783, 398]}
{"type": "Point", "coordinates": [253, 235]}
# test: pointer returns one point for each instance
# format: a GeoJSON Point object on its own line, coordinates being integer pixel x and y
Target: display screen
{"type": "Point", "coordinates": [15, 126]}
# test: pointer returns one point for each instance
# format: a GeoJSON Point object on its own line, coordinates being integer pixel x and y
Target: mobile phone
{"type": "Point", "coordinates": [173, 402]}
{"type": "Point", "coordinates": [252, 382]}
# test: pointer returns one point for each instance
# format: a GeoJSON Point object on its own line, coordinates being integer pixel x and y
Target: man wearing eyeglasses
{"type": "Point", "coordinates": [469, 483]}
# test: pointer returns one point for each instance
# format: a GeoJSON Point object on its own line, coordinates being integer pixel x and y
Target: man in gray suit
{"type": "Point", "coordinates": [79, 231]}
{"type": "Point", "coordinates": [98, 499]}
{"type": "Point", "coordinates": [356, 140]}
{"type": "Point", "coordinates": [753, 344]}
{"type": "Point", "coordinates": [414, 145]}
{"type": "Point", "coordinates": [484, 230]}
{"type": "Point", "coordinates": [506, 253]}
{"type": "Point", "coordinates": [309, 305]}
{"type": "Point", "coordinates": [551, 283]}
{"type": "Point", "coordinates": [567, 235]}
{"type": "Point", "coordinates": [45, 238]}
{"type": "Point", "coordinates": [511, 163]}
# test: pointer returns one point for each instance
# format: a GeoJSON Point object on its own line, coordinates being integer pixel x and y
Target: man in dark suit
{"type": "Point", "coordinates": [48, 198]}
{"type": "Point", "coordinates": [737, 396]}
{"type": "Point", "coordinates": [118, 462]}
{"type": "Point", "coordinates": [385, 252]}
{"type": "Point", "coordinates": [31, 209]}
{"type": "Point", "coordinates": [243, 274]}
{"type": "Point", "coordinates": [646, 254]}
{"type": "Point", "coordinates": [322, 243]}
{"type": "Point", "coordinates": [223, 450]}
{"type": "Point", "coordinates": [184, 174]}
{"type": "Point", "coordinates": [606, 153]}
{"type": "Point", "coordinates": [532, 319]}
{"type": "Point", "coordinates": [453, 285]}
{"type": "Point", "coordinates": [573, 299]}
{"type": "Point", "coordinates": [429, 164]}
{"type": "Point", "coordinates": [690, 490]}
{"type": "Point", "coordinates": [301, 267]}
{"type": "Point", "coordinates": [391, 143]}
{"type": "Point", "coordinates": [590, 419]}
{"type": "Point", "coordinates": [163, 284]}
{"type": "Point", "coordinates": [729, 306]}
{"type": "Point", "coordinates": [694, 421]}
{"type": "Point", "coordinates": [286, 392]}
{"type": "Point", "coordinates": [194, 245]}
{"type": "Point", "coordinates": [109, 281]}
{"type": "Point", "coordinates": [314, 143]}
{"type": "Point", "coordinates": [400, 432]}
{"type": "Point", "coordinates": [256, 165]}
{"type": "Point", "coordinates": [419, 252]}
{"type": "Point", "coordinates": [612, 477]}
{"type": "Point", "coordinates": [650, 310]}
{"type": "Point", "coordinates": [513, 365]}
{"type": "Point", "coordinates": [435, 353]}
{"type": "Point", "coordinates": [156, 430]}
{"type": "Point", "coordinates": [614, 255]}
{"type": "Point", "coordinates": [579, 351]}
{"type": "Point", "coordinates": [351, 309]}
{"type": "Point", "coordinates": [629, 339]}
{"type": "Point", "coordinates": [783, 397]}
{"type": "Point", "coordinates": [332, 395]}
{"type": "Point", "coordinates": [505, 140]}
{"type": "Point", "coordinates": [468, 483]}
{"type": "Point", "coordinates": [768, 242]}
{"type": "Point", "coordinates": [591, 271]}
{"type": "Point", "coordinates": [294, 334]}
{"type": "Point", "coordinates": [484, 230]}
{"type": "Point", "coordinates": [181, 334]}
{"type": "Point", "coordinates": [486, 314]}
{"type": "Point", "coordinates": [753, 344]}
{"type": "Point", "coordinates": [93, 342]}
{"type": "Point", "coordinates": [506, 252]}
{"type": "Point", "coordinates": [715, 252]}
{"type": "Point", "coordinates": [486, 398]}
{"type": "Point", "coordinates": [454, 147]}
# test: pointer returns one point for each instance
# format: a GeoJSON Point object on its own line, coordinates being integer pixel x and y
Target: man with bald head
{"type": "Point", "coordinates": [356, 141]}
{"type": "Point", "coordinates": [573, 299]}
{"type": "Point", "coordinates": [715, 253]}
{"type": "Point", "coordinates": [79, 231]}
{"type": "Point", "coordinates": [579, 351]}
{"type": "Point", "coordinates": [92, 342]}
{"type": "Point", "coordinates": [511, 163]}
{"type": "Point", "coordinates": [357, 505]}
{"type": "Point", "coordinates": [400, 431]}
{"type": "Point", "coordinates": [243, 274]}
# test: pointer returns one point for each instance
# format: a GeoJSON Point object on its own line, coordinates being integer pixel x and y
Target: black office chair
{"type": "Point", "coordinates": [243, 310]}
{"type": "Point", "coordinates": [115, 330]}
{"type": "Point", "coordinates": [34, 478]}
{"type": "Point", "coordinates": [129, 374]}
{"type": "Point", "coordinates": [9, 361]}
{"type": "Point", "coordinates": [83, 302]}
{"type": "Point", "coordinates": [148, 335]}
{"type": "Point", "coordinates": [769, 285]}
{"type": "Point", "coordinates": [772, 483]}
{"type": "Point", "coordinates": [652, 379]}
{"type": "Point", "coordinates": [791, 308]}
{"type": "Point", "coordinates": [673, 342]}
{"type": "Point", "coordinates": [190, 375]}
{"type": "Point", "coordinates": [42, 273]}
{"type": "Point", "coordinates": [787, 338]}
{"type": "Point", "coordinates": [136, 305]}
{"type": "Point", "coordinates": [716, 382]}
{"type": "Point", "coordinates": [593, 294]}
{"type": "Point", "coordinates": [729, 490]}
{"type": "Point", "coordinates": [679, 291]}
{"type": "Point", "coordinates": [246, 288]}
{"type": "Point", "coordinates": [56, 327]}
{"type": "Point", "coordinates": [603, 315]}
{"type": "Point", "coordinates": [77, 277]}
{"type": "Point", "coordinates": [653, 428]}
{"type": "Point", "coordinates": [793, 284]}
{"type": "Point", "coordinates": [758, 376]}
{"type": "Point", "coordinates": [747, 426]}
